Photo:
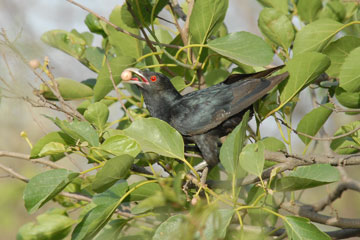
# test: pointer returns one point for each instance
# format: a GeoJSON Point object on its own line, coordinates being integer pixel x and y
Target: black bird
{"type": "Point", "coordinates": [206, 115]}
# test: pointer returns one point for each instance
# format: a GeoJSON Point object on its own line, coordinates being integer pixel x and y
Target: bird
{"type": "Point", "coordinates": [205, 115]}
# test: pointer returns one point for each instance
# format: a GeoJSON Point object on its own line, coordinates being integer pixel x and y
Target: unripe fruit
{"type": "Point", "coordinates": [126, 75]}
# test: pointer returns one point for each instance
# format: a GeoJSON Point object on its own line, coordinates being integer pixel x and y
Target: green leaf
{"type": "Point", "coordinates": [142, 192]}
{"type": "Point", "coordinates": [350, 72]}
{"type": "Point", "coordinates": [303, 68]}
{"type": "Point", "coordinates": [347, 99]}
{"type": "Point", "coordinates": [114, 169]}
{"type": "Point", "coordinates": [66, 42]}
{"type": "Point", "coordinates": [299, 228]}
{"type": "Point", "coordinates": [215, 76]}
{"type": "Point", "coordinates": [258, 197]}
{"type": "Point", "coordinates": [94, 24]}
{"type": "Point", "coordinates": [308, 177]}
{"type": "Point", "coordinates": [52, 148]}
{"type": "Point", "coordinates": [155, 135]}
{"type": "Point", "coordinates": [45, 186]}
{"type": "Point", "coordinates": [104, 84]}
{"type": "Point", "coordinates": [217, 223]}
{"type": "Point", "coordinates": [311, 123]}
{"type": "Point", "coordinates": [344, 145]}
{"type": "Point", "coordinates": [281, 5]}
{"type": "Point", "coordinates": [308, 9]}
{"type": "Point", "coordinates": [244, 47]}
{"type": "Point", "coordinates": [273, 144]}
{"type": "Point", "coordinates": [49, 226]}
{"type": "Point", "coordinates": [252, 158]}
{"type": "Point", "coordinates": [170, 229]}
{"type": "Point", "coordinates": [93, 222]}
{"type": "Point", "coordinates": [206, 17]}
{"type": "Point", "coordinates": [95, 57]}
{"type": "Point", "coordinates": [121, 144]}
{"type": "Point", "coordinates": [142, 10]}
{"type": "Point", "coordinates": [124, 44]}
{"type": "Point", "coordinates": [156, 200]}
{"type": "Point", "coordinates": [178, 83]}
{"type": "Point", "coordinates": [82, 131]}
{"type": "Point", "coordinates": [277, 27]}
{"type": "Point", "coordinates": [333, 9]}
{"type": "Point", "coordinates": [316, 36]}
{"type": "Point", "coordinates": [111, 195]}
{"type": "Point", "coordinates": [338, 51]}
{"type": "Point", "coordinates": [231, 148]}
{"type": "Point", "coordinates": [69, 89]}
{"type": "Point", "coordinates": [53, 137]}
{"type": "Point", "coordinates": [112, 230]}
{"type": "Point", "coordinates": [97, 114]}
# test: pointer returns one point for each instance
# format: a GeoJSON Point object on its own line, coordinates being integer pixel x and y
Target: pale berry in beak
{"type": "Point", "coordinates": [126, 75]}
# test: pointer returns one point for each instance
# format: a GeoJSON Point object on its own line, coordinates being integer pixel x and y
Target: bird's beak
{"type": "Point", "coordinates": [135, 79]}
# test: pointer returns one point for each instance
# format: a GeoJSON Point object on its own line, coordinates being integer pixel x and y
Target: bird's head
{"type": "Point", "coordinates": [147, 80]}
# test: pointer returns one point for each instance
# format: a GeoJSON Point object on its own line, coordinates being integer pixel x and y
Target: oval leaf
{"type": "Point", "coordinates": [303, 69]}
{"type": "Point", "coordinates": [316, 35]}
{"type": "Point", "coordinates": [171, 229]}
{"type": "Point", "coordinates": [121, 144]}
{"type": "Point", "coordinates": [155, 135]}
{"type": "Point", "coordinates": [97, 114]}
{"type": "Point", "coordinates": [308, 9]}
{"type": "Point", "coordinates": [69, 90]}
{"type": "Point", "coordinates": [345, 144]}
{"type": "Point", "coordinates": [308, 177]}
{"type": "Point", "coordinates": [48, 226]}
{"type": "Point", "coordinates": [244, 47]}
{"type": "Point", "coordinates": [44, 186]}
{"type": "Point", "coordinates": [348, 99]}
{"type": "Point", "coordinates": [311, 123]}
{"type": "Point", "coordinates": [82, 131]}
{"type": "Point", "coordinates": [66, 42]}
{"type": "Point", "coordinates": [113, 170]}
{"type": "Point", "coordinates": [350, 72]}
{"type": "Point", "coordinates": [231, 148]}
{"type": "Point", "coordinates": [302, 228]}
{"type": "Point", "coordinates": [252, 158]}
{"type": "Point", "coordinates": [337, 51]}
{"type": "Point", "coordinates": [57, 137]}
{"type": "Point", "coordinates": [206, 17]}
{"type": "Point", "coordinates": [277, 27]}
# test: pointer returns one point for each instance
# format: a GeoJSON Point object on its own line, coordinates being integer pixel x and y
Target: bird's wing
{"type": "Point", "coordinates": [199, 111]}
{"type": "Point", "coordinates": [244, 76]}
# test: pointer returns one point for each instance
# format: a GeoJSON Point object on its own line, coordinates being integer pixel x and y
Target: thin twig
{"type": "Point", "coordinates": [319, 138]}
{"type": "Point", "coordinates": [308, 212]}
{"type": "Point", "coordinates": [27, 157]}
{"type": "Point", "coordinates": [118, 91]}
{"type": "Point", "coordinates": [343, 186]}
{"type": "Point", "coordinates": [117, 28]}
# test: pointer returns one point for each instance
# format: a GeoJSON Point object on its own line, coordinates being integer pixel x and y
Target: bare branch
{"type": "Point", "coordinates": [27, 157]}
{"type": "Point", "coordinates": [319, 138]}
{"type": "Point", "coordinates": [308, 212]}
{"type": "Point", "coordinates": [13, 173]}
{"type": "Point", "coordinates": [343, 186]}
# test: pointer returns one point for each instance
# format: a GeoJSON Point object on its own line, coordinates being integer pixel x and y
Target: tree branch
{"type": "Point", "coordinates": [343, 186]}
{"type": "Point", "coordinates": [308, 212]}
{"type": "Point", "coordinates": [27, 157]}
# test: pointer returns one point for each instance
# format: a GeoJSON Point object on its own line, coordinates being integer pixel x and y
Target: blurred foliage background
{"type": "Point", "coordinates": [25, 22]}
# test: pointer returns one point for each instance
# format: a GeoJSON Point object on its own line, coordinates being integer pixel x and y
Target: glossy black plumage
{"type": "Point", "coordinates": [205, 115]}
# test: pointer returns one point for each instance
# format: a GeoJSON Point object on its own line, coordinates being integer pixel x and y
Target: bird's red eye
{"type": "Point", "coordinates": [153, 78]}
